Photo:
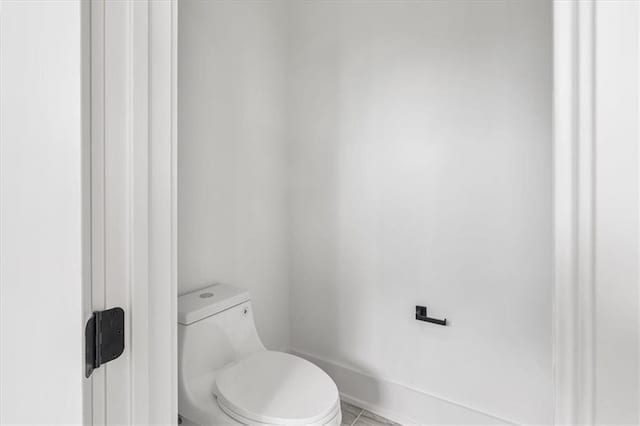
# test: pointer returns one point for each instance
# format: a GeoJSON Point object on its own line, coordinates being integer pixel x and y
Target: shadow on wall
{"type": "Point", "coordinates": [321, 242]}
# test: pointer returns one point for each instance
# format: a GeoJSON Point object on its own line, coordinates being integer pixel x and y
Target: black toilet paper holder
{"type": "Point", "coordinates": [421, 315]}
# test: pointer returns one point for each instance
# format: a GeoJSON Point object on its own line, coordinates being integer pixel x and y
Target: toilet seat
{"type": "Point", "coordinates": [277, 388]}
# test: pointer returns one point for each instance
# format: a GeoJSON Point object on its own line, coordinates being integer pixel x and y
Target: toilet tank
{"type": "Point", "coordinates": [215, 328]}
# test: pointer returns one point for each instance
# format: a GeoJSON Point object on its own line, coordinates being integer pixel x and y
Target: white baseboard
{"type": "Point", "coordinates": [398, 402]}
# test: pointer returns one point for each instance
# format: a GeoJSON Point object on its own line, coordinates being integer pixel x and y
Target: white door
{"type": "Point", "coordinates": [43, 212]}
{"type": "Point", "coordinates": [87, 208]}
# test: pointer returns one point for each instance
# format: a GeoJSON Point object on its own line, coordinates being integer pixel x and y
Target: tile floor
{"type": "Point", "coordinates": [356, 416]}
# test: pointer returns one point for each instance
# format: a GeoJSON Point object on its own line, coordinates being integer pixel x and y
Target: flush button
{"type": "Point", "coordinates": [206, 295]}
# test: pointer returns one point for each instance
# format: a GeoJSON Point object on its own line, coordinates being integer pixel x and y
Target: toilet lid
{"type": "Point", "coordinates": [276, 388]}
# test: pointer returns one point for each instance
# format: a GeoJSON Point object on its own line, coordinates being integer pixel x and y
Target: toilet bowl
{"type": "Point", "coordinates": [226, 376]}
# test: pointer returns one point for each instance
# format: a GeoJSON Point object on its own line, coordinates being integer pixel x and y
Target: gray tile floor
{"type": "Point", "coordinates": [352, 416]}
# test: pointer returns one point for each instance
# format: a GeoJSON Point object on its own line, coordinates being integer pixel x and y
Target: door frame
{"type": "Point", "coordinates": [134, 115]}
{"type": "Point", "coordinates": [133, 203]}
{"type": "Point", "coordinates": [596, 59]}
{"type": "Point", "coordinates": [573, 210]}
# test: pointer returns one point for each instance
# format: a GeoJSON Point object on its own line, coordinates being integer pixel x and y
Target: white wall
{"type": "Point", "coordinates": [231, 160]}
{"type": "Point", "coordinates": [420, 148]}
{"type": "Point", "coordinates": [42, 152]}
{"type": "Point", "coordinates": [368, 157]}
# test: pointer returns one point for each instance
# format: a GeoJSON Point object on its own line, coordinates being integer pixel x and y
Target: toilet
{"type": "Point", "coordinates": [226, 376]}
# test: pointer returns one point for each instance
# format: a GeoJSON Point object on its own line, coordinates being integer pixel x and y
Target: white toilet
{"type": "Point", "coordinates": [226, 376]}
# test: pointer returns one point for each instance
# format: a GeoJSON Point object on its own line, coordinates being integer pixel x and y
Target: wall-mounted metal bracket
{"type": "Point", "coordinates": [421, 315]}
{"type": "Point", "coordinates": [104, 338]}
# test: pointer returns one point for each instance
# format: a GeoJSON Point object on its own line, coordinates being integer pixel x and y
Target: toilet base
{"type": "Point", "coordinates": [222, 419]}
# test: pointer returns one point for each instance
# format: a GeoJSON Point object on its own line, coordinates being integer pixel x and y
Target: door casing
{"type": "Point", "coordinates": [134, 202]}
{"type": "Point", "coordinates": [133, 185]}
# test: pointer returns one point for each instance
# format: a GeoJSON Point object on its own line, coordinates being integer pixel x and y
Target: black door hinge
{"type": "Point", "coordinates": [104, 338]}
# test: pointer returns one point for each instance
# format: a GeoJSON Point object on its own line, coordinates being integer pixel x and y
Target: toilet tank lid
{"type": "Point", "coordinates": [209, 301]}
